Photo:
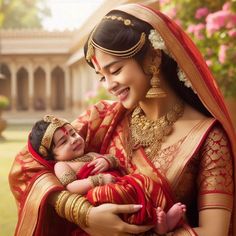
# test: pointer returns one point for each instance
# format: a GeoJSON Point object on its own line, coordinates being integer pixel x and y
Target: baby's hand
{"type": "Point", "coordinates": [108, 178]}
{"type": "Point", "coordinates": [101, 164]}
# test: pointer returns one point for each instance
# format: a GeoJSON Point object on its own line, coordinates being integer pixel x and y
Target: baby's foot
{"type": "Point", "coordinates": [161, 225]}
{"type": "Point", "coordinates": [174, 215]}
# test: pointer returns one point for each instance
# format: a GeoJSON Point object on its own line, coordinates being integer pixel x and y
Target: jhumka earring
{"type": "Point", "coordinates": [155, 91]}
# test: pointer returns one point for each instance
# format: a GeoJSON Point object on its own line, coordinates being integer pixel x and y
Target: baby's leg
{"type": "Point", "coordinates": [168, 221]}
{"type": "Point", "coordinates": [161, 226]}
{"type": "Point", "coordinates": [174, 215]}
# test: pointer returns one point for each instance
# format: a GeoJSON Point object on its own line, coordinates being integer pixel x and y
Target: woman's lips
{"type": "Point", "coordinates": [123, 95]}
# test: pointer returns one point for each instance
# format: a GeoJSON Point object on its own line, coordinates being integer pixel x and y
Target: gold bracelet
{"type": "Point", "coordinates": [83, 214]}
{"type": "Point", "coordinates": [100, 180]}
{"type": "Point", "coordinates": [112, 160]}
{"type": "Point", "coordinates": [77, 213]}
{"type": "Point", "coordinates": [60, 203]}
{"type": "Point", "coordinates": [73, 204]}
{"type": "Point", "coordinates": [68, 206]}
{"type": "Point", "coordinates": [67, 177]}
{"type": "Point", "coordinates": [94, 180]}
{"type": "Point", "coordinates": [87, 214]}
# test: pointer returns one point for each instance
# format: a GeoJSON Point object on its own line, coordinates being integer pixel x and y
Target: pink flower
{"type": "Point", "coordinates": [232, 33]}
{"type": "Point", "coordinates": [220, 19]}
{"type": "Point", "coordinates": [209, 62]}
{"type": "Point", "coordinates": [191, 29]}
{"type": "Point", "coordinates": [226, 6]}
{"type": "Point", "coordinates": [201, 12]}
{"type": "Point", "coordinates": [196, 30]}
{"type": "Point", "coordinates": [222, 53]}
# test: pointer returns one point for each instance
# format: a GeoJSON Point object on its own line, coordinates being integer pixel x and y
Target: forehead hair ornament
{"type": "Point", "coordinates": [158, 43]}
{"type": "Point", "coordinates": [46, 142]}
{"type": "Point", "coordinates": [128, 53]}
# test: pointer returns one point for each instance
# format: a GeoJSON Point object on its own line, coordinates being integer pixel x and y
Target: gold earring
{"type": "Point", "coordinates": [155, 91]}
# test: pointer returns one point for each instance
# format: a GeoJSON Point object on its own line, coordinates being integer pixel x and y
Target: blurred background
{"type": "Point", "coordinates": [42, 69]}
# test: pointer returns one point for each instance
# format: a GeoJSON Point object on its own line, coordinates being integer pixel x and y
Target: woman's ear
{"type": "Point", "coordinates": [151, 59]}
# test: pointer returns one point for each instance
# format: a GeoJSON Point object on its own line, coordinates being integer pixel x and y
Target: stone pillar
{"type": "Point", "coordinates": [48, 86]}
{"type": "Point", "coordinates": [13, 86]}
{"type": "Point", "coordinates": [31, 86]}
{"type": "Point", "coordinates": [67, 89]}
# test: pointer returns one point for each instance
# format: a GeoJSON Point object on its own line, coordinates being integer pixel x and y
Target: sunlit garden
{"type": "Point", "coordinates": [14, 139]}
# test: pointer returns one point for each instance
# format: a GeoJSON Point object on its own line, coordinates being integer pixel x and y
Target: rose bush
{"type": "Point", "coordinates": [212, 26]}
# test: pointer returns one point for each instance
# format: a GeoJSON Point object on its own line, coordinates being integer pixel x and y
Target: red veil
{"type": "Point", "coordinates": [191, 62]}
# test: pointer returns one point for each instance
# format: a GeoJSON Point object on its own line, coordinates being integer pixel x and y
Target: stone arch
{"type": "Point", "coordinates": [58, 89]}
{"type": "Point", "coordinates": [22, 78]}
{"type": "Point", "coordinates": [5, 82]}
{"type": "Point", "coordinates": [39, 100]}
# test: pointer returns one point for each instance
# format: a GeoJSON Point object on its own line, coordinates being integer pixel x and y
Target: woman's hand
{"type": "Point", "coordinates": [104, 220]}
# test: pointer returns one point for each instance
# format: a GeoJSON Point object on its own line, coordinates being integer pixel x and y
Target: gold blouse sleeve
{"type": "Point", "coordinates": [215, 179]}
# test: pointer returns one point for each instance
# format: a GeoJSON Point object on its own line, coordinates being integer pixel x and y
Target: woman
{"type": "Point", "coordinates": [170, 120]}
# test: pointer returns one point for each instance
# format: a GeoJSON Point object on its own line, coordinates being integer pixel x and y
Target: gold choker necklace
{"type": "Point", "coordinates": [150, 134]}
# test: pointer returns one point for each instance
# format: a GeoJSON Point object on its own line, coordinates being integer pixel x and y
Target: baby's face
{"type": "Point", "coordinates": [68, 144]}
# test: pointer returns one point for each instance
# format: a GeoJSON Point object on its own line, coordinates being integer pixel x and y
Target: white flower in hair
{"type": "Point", "coordinates": [156, 40]}
{"type": "Point", "coordinates": [158, 43]}
{"type": "Point", "coordinates": [182, 77]}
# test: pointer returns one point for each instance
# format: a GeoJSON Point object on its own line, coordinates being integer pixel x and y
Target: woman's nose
{"type": "Point", "coordinates": [111, 86]}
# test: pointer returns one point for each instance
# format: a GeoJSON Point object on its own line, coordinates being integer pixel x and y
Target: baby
{"type": "Point", "coordinates": [54, 139]}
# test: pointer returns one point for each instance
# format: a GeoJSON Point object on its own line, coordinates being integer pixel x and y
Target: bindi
{"type": "Point", "coordinates": [95, 61]}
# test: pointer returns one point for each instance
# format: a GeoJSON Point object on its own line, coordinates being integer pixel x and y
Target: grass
{"type": "Point", "coordinates": [15, 138]}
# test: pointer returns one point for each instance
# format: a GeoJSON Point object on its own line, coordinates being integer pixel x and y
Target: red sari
{"type": "Point", "coordinates": [103, 127]}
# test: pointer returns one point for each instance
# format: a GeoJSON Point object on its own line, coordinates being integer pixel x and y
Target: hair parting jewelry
{"type": "Point", "coordinates": [126, 22]}
{"type": "Point", "coordinates": [123, 53]}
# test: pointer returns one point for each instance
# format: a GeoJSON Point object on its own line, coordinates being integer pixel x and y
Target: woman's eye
{"type": "Point", "coordinates": [116, 71]}
{"type": "Point", "coordinates": [102, 79]}
{"type": "Point", "coordinates": [73, 134]}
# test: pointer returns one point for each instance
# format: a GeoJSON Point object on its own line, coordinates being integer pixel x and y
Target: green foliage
{"type": "Point", "coordinates": [22, 13]}
{"type": "Point", "coordinates": [4, 102]}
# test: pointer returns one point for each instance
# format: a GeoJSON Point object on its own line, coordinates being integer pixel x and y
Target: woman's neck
{"type": "Point", "coordinates": [157, 107]}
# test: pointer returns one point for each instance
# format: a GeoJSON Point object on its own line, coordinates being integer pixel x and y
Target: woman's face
{"type": "Point", "coordinates": [68, 144]}
{"type": "Point", "coordinates": [123, 78]}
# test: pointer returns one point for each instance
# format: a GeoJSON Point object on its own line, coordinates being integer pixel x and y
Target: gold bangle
{"type": "Point", "coordinates": [68, 206]}
{"type": "Point", "coordinates": [83, 214]}
{"type": "Point", "coordinates": [100, 179]}
{"type": "Point", "coordinates": [87, 214]}
{"type": "Point", "coordinates": [77, 213]}
{"type": "Point", "coordinates": [67, 177]}
{"type": "Point", "coordinates": [112, 160]}
{"type": "Point", "coordinates": [60, 203]}
{"type": "Point", "coordinates": [94, 180]}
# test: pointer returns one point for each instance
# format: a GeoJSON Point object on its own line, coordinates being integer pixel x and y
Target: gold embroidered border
{"type": "Point", "coordinates": [29, 214]}
{"type": "Point", "coordinates": [215, 200]}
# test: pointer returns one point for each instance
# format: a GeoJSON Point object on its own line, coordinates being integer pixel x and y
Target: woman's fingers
{"type": "Point", "coordinates": [126, 208]}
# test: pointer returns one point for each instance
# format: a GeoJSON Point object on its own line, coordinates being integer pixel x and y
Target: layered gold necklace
{"type": "Point", "coordinates": [151, 134]}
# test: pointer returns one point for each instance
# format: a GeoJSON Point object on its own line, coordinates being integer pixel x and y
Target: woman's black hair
{"type": "Point", "coordinates": [115, 35]}
{"type": "Point", "coordinates": [36, 136]}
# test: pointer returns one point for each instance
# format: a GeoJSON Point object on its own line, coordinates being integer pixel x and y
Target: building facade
{"type": "Point", "coordinates": [45, 72]}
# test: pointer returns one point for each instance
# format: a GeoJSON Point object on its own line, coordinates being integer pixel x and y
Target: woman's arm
{"type": "Point", "coordinates": [213, 222]}
{"type": "Point", "coordinates": [100, 220]}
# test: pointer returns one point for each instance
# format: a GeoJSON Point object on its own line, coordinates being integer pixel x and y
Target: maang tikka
{"type": "Point", "coordinates": [155, 91]}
